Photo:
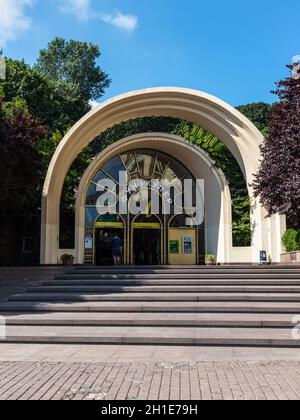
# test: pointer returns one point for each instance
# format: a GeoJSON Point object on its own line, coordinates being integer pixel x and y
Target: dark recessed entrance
{"type": "Point", "coordinates": [103, 242]}
{"type": "Point", "coordinates": [147, 246]}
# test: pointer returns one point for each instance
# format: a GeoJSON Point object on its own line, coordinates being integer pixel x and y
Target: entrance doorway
{"type": "Point", "coordinates": [146, 213]}
{"type": "Point", "coordinates": [147, 240]}
{"type": "Point", "coordinates": [147, 246]}
{"type": "Point", "coordinates": [103, 243]}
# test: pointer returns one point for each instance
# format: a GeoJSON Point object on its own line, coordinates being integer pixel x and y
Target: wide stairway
{"type": "Point", "coordinates": [202, 306]}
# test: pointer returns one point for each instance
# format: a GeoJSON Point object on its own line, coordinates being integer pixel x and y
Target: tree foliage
{"type": "Point", "coordinates": [20, 175]}
{"type": "Point", "coordinates": [278, 180]}
{"type": "Point", "coordinates": [61, 85]}
{"type": "Point", "coordinates": [291, 240]}
{"type": "Point", "coordinates": [57, 103]}
{"type": "Point", "coordinates": [132, 127]}
{"type": "Point", "coordinates": [20, 164]}
{"type": "Point", "coordinates": [258, 113]}
{"type": "Point", "coordinates": [74, 63]}
{"type": "Point", "coordinates": [56, 92]}
{"type": "Point", "coordinates": [223, 158]}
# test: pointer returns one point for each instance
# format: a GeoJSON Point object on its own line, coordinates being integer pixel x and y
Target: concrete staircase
{"type": "Point", "coordinates": [204, 306]}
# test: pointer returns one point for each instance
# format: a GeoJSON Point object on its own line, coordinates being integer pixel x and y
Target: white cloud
{"type": "Point", "coordinates": [79, 8]}
{"type": "Point", "coordinates": [119, 20]}
{"type": "Point", "coordinates": [13, 19]}
{"type": "Point", "coordinates": [83, 11]}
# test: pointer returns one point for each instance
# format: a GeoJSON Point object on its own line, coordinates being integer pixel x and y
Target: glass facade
{"type": "Point", "coordinates": [152, 221]}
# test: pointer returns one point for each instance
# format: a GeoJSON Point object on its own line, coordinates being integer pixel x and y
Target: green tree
{"type": "Point", "coordinates": [11, 109]}
{"type": "Point", "coordinates": [74, 63]}
{"type": "Point", "coordinates": [20, 174]}
{"type": "Point", "coordinates": [258, 113]}
{"type": "Point", "coordinates": [62, 96]}
{"type": "Point", "coordinates": [56, 103]}
{"type": "Point", "coordinates": [291, 240]}
{"type": "Point", "coordinates": [20, 164]}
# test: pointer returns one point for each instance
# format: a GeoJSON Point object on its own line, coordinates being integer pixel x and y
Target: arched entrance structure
{"type": "Point", "coordinates": [218, 232]}
{"type": "Point", "coordinates": [240, 136]}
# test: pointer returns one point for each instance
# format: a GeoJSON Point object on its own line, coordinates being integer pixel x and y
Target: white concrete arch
{"type": "Point", "coordinates": [235, 131]}
{"type": "Point", "coordinates": [217, 194]}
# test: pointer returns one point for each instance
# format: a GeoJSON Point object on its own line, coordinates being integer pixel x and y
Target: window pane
{"type": "Point", "coordinates": [146, 161]}
{"type": "Point", "coordinates": [90, 216]}
{"type": "Point", "coordinates": [180, 221]}
{"type": "Point", "coordinates": [113, 168]}
{"type": "Point", "coordinates": [162, 162]}
{"type": "Point", "coordinates": [170, 178]}
{"type": "Point", "coordinates": [130, 162]}
{"type": "Point", "coordinates": [92, 194]}
{"type": "Point", "coordinates": [99, 176]}
{"type": "Point", "coordinates": [136, 175]}
{"type": "Point", "coordinates": [147, 164]}
{"type": "Point", "coordinates": [147, 219]}
{"type": "Point", "coordinates": [178, 168]}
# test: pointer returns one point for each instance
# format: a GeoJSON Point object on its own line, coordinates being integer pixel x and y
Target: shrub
{"type": "Point", "coordinates": [210, 259]}
{"type": "Point", "coordinates": [291, 240]}
{"type": "Point", "coordinates": [67, 259]}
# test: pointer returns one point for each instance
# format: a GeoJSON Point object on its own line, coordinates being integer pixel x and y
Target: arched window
{"type": "Point", "coordinates": [149, 166]}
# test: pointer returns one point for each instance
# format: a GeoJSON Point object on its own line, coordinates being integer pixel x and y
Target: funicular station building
{"type": "Point", "coordinates": [151, 235]}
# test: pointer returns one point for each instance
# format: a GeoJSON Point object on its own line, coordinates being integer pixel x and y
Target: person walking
{"type": "Point", "coordinates": [117, 249]}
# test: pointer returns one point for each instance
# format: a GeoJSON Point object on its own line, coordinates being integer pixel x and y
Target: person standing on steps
{"type": "Point", "coordinates": [117, 249]}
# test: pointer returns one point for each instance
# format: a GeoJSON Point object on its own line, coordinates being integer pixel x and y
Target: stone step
{"type": "Point", "coordinates": [187, 270]}
{"type": "Point", "coordinates": [164, 289]}
{"type": "Point", "coordinates": [151, 319]}
{"type": "Point", "coordinates": [174, 282]}
{"type": "Point", "coordinates": [155, 297]}
{"type": "Point", "coordinates": [292, 308]}
{"type": "Point", "coordinates": [153, 336]}
{"type": "Point", "coordinates": [190, 268]}
{"type": "Point", "coordinates": [182, 276]}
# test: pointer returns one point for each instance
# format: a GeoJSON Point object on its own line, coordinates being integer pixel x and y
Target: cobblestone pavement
{"type": "Point", "coordinates": [144, 381]}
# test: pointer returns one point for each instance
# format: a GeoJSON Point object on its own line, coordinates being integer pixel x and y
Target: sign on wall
{"type": "Point", "coordinates": [89, 242]}
{"type": "Point", "coordinates": [187, 245]}
{"type": "Point", "coordinates": [174, 247]}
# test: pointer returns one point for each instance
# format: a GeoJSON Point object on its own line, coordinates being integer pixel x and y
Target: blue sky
{"type": "Point", "coordinates": [235, 50]}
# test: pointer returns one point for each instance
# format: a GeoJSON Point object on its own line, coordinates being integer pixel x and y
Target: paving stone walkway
{"type": "Point", "coordinates": [237, 380]}
{"type": "Point", "coordinates": [61, 372]}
